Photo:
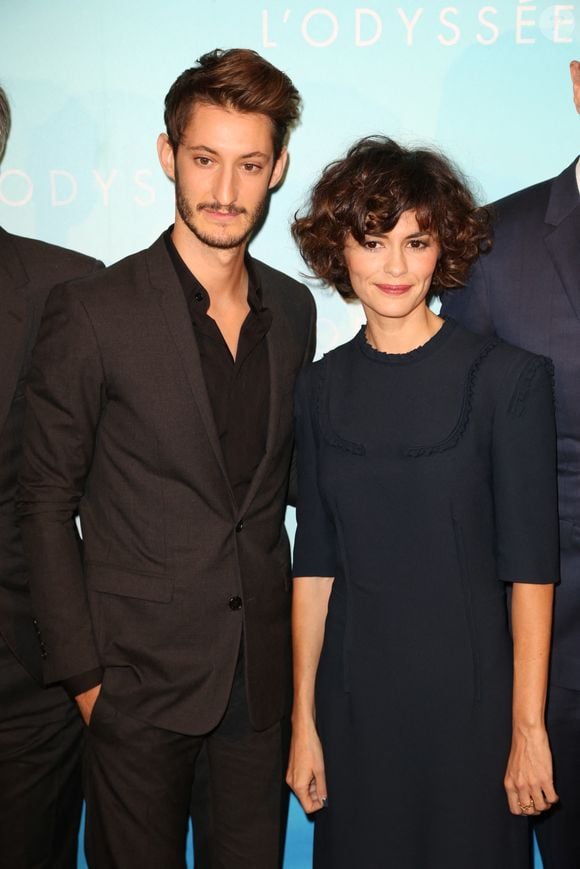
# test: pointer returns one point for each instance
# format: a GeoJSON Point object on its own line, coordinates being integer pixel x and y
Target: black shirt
{"type": "Point", "coordinates": [238, 389]}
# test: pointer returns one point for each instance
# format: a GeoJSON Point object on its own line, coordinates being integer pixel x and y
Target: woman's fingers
{"type": "Point", "coordinates": [513, 798]}
{"type": "Point", "coordinates": [306, 776]}
{"type": "Point", "coordinates": [309, 792]}
{"type": "Point", "coordinates": [550, 794]}
{"type": "Point", "coordinates": [529, 782]}
{"type": "Point", "coordinates": [318, 792]}
{"type": "Point", "coordinates": [527, 803]}
{"type": "Point", "coordinates": [530, 798]}
{"type": "Point", "coordinates": [544, 795]}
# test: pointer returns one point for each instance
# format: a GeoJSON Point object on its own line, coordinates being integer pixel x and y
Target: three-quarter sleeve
{"type": "Point", "coordinates": [525, 477]}
{"type": "Point", "coordinates": [315, 543]}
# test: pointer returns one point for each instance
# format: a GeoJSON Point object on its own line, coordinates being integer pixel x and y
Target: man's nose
{"type": "Point", "coordinates": [225, 186]}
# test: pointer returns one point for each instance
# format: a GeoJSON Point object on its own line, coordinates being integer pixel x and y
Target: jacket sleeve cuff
{"type": "Point", "coordinates": [83, 682]}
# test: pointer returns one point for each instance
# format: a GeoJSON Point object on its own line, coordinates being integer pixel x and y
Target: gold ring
{"type": "Point", "coordinates": [525, 807]}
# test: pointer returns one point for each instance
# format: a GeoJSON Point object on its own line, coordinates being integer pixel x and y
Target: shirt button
{"type": "Point", "coordinates": [240, 526]}
{"type": "Point", "coordinates": [235, 603]}
{"type": "Point", "coordinates": [198, 297]}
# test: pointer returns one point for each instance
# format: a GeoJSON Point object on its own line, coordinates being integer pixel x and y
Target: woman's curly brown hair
{"type": "Point", "coordinates": [366, 192]}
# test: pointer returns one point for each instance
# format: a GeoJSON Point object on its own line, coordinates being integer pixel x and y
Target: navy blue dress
{"type": "Point", "coordinates": [427, 484]}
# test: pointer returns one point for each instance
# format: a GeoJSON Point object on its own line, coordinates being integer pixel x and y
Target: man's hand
{"type": "Point", "coordinates": [86, 702]}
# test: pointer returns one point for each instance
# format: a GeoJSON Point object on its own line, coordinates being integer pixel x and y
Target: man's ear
{"type": "Point", "coordinates": [279, 169]}
{"type": "Point", "coordinates": [166, 155]}
{"type": "Point", "coordinates": [575, 73]}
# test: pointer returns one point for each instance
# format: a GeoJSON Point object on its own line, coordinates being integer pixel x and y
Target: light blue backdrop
{"type": "Point", "coordinates": [486, 81]}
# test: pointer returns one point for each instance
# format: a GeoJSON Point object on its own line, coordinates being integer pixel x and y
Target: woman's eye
{"type": "Point", "coordinates": [370, 244]}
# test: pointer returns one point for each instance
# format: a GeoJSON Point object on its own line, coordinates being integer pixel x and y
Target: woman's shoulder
{"type": "Point", "coordinates": [507, 368]}
{"type": "Point", "coordinates": [313, 376]}
{"type": "Point", "coordinates": [330, 358]}
{"type": "Point", "coordinates": [502, 354]}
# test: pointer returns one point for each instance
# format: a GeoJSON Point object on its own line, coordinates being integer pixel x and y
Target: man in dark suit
{"type": "Point", "coordinates": [40, 729]}
{"type": "Point", "coordinates": [527, 291]}
{"type": "Point", "coordinates": [160, 407]}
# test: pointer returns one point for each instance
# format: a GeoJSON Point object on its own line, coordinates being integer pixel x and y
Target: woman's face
{"type": "Point", "coordinates": [391, 274]}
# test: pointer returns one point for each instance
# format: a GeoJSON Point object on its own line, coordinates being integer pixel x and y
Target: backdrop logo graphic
{"type": "Point", "coordinates": [321, 27]}
{"type": "Point", "coordinates": [60, 188]}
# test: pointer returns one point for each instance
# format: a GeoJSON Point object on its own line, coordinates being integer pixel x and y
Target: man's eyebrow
{"type": "Point", "coordinates": [255, 154]}
{"type": "Point", "coordinates": [201, 148]}
{"type": "Point", "coordinates": [209, 150]}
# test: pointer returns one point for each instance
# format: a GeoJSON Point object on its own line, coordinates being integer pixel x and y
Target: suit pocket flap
{"type": "Point", "coordinates": [119, 580]}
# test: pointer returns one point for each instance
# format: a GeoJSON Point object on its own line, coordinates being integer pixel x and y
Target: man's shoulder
{"type": "Point", "coordinates": [282, 285]}
{"type": "Point", "coordinates": [529, 202]}
{"type": "Point", "coordinates": [550, 199]}
{"type": "Point", "coordinates": [47, 263]}
{"type": "Point", "coordinates": [124, 279]}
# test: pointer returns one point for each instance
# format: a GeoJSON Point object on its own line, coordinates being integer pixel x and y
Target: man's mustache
{"type": "Point", "coordinates": [224, 209]}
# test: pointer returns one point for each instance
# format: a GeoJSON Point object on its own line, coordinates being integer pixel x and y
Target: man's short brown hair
{"type": "Point", "coordinates": [4, 121]}
{"type": "Point", "coordinates": [238, 79]}
{"type": "Point", "coordinates": [366, 192]}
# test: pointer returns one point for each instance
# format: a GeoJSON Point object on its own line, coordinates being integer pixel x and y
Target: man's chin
{"type": "Point", "coordinates": [220, 240]}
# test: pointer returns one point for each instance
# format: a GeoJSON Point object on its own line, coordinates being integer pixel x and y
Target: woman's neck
{"type": "Point", "coordinates": [401, 334]}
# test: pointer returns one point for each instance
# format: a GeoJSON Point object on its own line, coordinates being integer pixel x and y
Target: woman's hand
{"type": "Point", "coordinates": [306, 768]}
{"type": "Point", "coordinates": [528, 780]}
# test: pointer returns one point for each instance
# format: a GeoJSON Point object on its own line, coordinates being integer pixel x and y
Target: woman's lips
{"type": "Point", "coordinates": [393, 289]}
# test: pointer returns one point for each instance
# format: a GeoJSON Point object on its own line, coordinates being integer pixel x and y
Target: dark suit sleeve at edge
{"type": "Point", "coordinates": [471, 305]}
{"type": "Point", "coordinates": [64, 400]}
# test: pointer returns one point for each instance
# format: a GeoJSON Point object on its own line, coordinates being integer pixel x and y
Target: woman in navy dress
{"type": "Point", "coordinates": [427, 488]}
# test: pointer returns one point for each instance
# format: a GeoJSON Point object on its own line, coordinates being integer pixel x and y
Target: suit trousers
{"type": "Point", "coordinates": [41, 739]}
{"type": "Point", "coordinates": [138, 787]}
{"type": "Point", "coordinates": [558, 831]}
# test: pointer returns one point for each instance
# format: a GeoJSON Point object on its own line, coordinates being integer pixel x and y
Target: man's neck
{"type": "Point", "coordinates": [221, 272]}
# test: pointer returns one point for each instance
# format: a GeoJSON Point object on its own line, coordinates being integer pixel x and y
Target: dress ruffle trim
{"type": "Point", "coordinates": [330, 436]}
{"type": "Point", "coordinates": [458, 431]}
{"type": "Point", "coordinates": [517, 404]}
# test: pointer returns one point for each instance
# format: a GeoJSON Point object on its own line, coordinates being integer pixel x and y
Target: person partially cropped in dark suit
{"type": "Point", "coordinates": [160, 407]}
{"type": "Point", "coordinates": [40, 728]}
{"type": "Point", "coordinates": [527, 291]}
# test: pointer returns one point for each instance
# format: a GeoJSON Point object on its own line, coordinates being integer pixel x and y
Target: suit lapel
{"type": "Point", "coordinates": [174, 309]}
{"type": "Point", "coordinates": [563, 238]}
{"type": "Point", "coordinates": [13, 320]}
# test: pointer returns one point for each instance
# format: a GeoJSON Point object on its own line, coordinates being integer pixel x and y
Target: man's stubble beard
{"type": "Point", "coordinates": [187, 214]}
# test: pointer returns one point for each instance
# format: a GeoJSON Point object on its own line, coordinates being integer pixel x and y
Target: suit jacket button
{"type": "Point", "coordinates": [235, 603]}
{"type": "Point", "coordinates": [240, 526]}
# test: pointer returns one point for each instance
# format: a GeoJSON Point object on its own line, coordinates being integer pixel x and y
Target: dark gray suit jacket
{"type": "Point", "coordinates": [28, 271]}
{"type": "Point", "coordinates": [119, 425]}
{"type": "Point", "coordinates": [527, 291]}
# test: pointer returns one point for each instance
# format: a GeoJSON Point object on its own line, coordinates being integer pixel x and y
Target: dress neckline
{"type": "Point", "coordinates": [417, 354]}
